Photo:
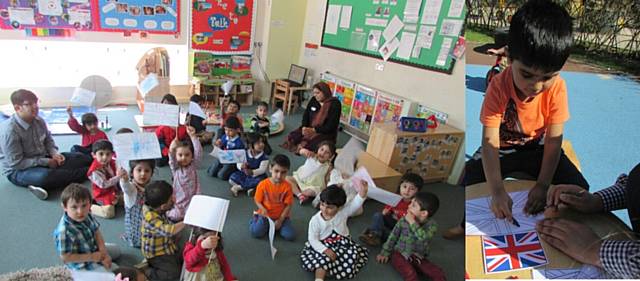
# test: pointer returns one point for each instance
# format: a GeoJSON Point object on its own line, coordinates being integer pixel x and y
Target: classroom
{"type": "Point", "coordinates": [380, 81]}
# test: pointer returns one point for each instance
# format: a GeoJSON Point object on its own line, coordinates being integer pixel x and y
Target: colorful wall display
{"type": "Point", "coordinates": [153, 16]}
{"type": "Point", "coordinates": [388, 109]}
{"type": "Point", "coordinates": [223, 26]}
{"type": "Point", "coordinates": [54, 14]}
{"type": "Point", "coordinates": [208, 65]}
{"type": "Point", "coordinates": [330, 80]}
{"type": "Point", "coordinates": [344, 93]}
{"type": "Point", "coordinates": [362, 109]}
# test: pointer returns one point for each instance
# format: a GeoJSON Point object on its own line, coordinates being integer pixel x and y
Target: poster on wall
{"type": "Point", "coordinates": [344, 93]}
{"type": "Point", "coordinates": [153, 16]}
{"type": "Point", "coordinates": [55, 14]}
{"type": "Point", "coordinates": [362, 109]}
{"type": "Point", "coordinates": [330, 80]}
{"type": "Point", "coordinates": [223, 26]}
{"type": "Point", "coordinates": [388, 109]}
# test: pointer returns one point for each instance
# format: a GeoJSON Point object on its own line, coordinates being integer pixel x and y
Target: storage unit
{"type": "Point", "coordinates": [430, 154]}
{"type": "Point", "coordinates": [242, 90]}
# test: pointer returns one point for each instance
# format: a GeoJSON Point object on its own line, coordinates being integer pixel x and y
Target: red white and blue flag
{"type": "Point", "coordinates": [512, 251]}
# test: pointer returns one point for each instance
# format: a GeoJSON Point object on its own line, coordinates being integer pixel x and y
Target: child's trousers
{"type": "Point", "coordinates": [382, 225]}
{"type": "Point", "coordinates": [259, 227]}
{"type": "Point", "coordinates": [221, 171]}
{"type": "Point", "coordinates": [408, 269]}
{"type": "Point", "coordinates": [166, 267]}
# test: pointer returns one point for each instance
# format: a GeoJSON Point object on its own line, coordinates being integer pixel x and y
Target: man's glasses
{"type": "Point", "coordinates": [31, 104]}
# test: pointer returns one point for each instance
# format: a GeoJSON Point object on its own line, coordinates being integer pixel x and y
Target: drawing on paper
{"type": "Point", "coordinates": [481, 221]}
{"type": "Point", "coordinates": [584, 272]}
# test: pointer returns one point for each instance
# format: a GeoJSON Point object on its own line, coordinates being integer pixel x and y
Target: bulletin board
{"type": "Point", "coordinates": [223, 26]}
{"type": "Point", "coordinates": [211, 66]}
{"type": "Point", "coordinates": [419, 33]}
{"type": "Point", "coordinates": [152, 16]}
{"type": "Point", "coordinates": [56, 14]}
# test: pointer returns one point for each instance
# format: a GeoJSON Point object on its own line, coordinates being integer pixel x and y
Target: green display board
{"type": "Point", "coordinates": [427, 34]}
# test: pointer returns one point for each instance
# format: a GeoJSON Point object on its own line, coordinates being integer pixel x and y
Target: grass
{"type": "Point", "coordinates": [478, 36]}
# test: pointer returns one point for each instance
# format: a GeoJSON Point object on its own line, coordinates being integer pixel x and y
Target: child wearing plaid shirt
{"type": "Point", "coordinates": [408, 244]}
{"type": "Point", "coordinates": [79, 242]}
{"type": "Point", "coordinates": [158, 233]}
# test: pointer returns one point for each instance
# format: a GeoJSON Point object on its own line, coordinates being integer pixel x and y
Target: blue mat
{"type": "Point", "coordinates": [58, 115]}
{"type": "Point", "coordinates": [603, 126]}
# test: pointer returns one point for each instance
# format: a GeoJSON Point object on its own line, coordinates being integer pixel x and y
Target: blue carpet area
{"type": "Point", "coordinates": [59, 114]}
{"type": "Point", "coordinates": [602, 127]}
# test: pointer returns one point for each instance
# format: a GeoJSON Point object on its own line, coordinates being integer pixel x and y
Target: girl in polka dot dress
{"type": "Point", "coordinates": [330, 250]}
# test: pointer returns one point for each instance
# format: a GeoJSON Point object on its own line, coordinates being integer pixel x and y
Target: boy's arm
{"type": "Point", "coordinates": [423, 232]}
{"type": "Point", "coordinates": [159, 227]}
{"type": "Point", "coordinates": [500, 201]}
{"type": "Point", "coordinates": [285, 213]}
{"type": "Point", "coordinates": [75, 126]}
{"type": "Point", "coordinates": [392, 240]}
{"type": "Point", "coordinates": [258, 197]}
{"type": "Point", "coordinates": [106, 259]}
{"type": "Point", "coordinates": [100, 180]}
{"type": "Point", "coordinates": [550, 159]}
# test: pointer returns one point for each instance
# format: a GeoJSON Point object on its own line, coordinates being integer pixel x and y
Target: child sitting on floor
{"type": "Point", "coordinates": [104, 180]}
{"type": "Point", "coordinates": [89, 131]}
{"type": "Point", "coordinates": [330, 250]}
{"type": "Point", "coordinates": [79, 242]}
{"type": "Point", "coordinates": [254, 170]}
{"type": "Point", "coordinates": [133, 189]}
{"type": "Point", "coordinates": [408, 244]}
{"type": "Point", "coordinates": [204, 259]}
{"type": "Point", "coordinates": [129, 274]}
{"type": "Point", "coordinates": [383, 222]}
{"type": "Point", "coordinates": [199, 123]}
{"type": "Point", "coordinates": [312, 177]}
{"type": "Point", "coordinates": [260, 124]}
{"type": "Point", "coordinates": [232, 109]}
{"type": "Point", "coordinates": [228, 141]}
{"type": "Point", "coordinates": [184, 160]}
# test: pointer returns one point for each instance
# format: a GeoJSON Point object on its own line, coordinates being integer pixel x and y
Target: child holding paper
{"type": "Point", "coordinates": [198, 122]}
{"type": "Point", "coordinates": [252, 171]}
{"type": "Point", "coordinates": [88, 130]}
{"type": "Point", "coordinates": [204, 259]}
{"type": "Point", "coordinates": [408, 244]}
{"type": "Point", "coordinates": [383, 222]}
{"type": "Point", "coordinates": [274, 198]}
{"type": "Point", "coordinates": [166, 135]}
{"type": "Point", "coordinates": [133, 190]}
{"type": "Point", "coordinates": [228, 141]}
{"type": "Point", "coordinates": [260, 124]}
{"type": "Point", "coordinates": [232, 110]}
{"type": "Point", "coordinates": [184, 159]}
{"type": "Point", "coordinates": [104, 180]}
{"type": "Point", "coordinates": [312, 177]}
{"type": "Point", "coordinates": [330, 250]}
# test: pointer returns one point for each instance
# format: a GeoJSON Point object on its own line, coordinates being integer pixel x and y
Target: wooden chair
{"type": "Point", "coordinates": [283, 91]}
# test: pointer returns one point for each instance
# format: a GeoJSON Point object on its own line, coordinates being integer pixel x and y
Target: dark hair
{"type": "Point", "coordinates": [197, 231]}
{"type": "Point", "coordinates": [333, 195]}
{"type": "Point", "coordinates": [196, 98]}
{"type": "Point", "coordinates": [282, 161]}
{"type": "Point", "coordinates": [428, 202]}
{"type": "Point", "coordinates": [253, 138]}
{"type": "Point", "coordinates": [411, 178]}
{"type": "Point", "coordinates": [185, 143]}
{"type": "Point", "coordinates": [171, 99]}
{"type": "Point", "coordinates": [234, 102]}
{"type": "Point", "coordinates": [324, 88]}
{"type": "Point", "coordinates": [75, 191]}
{"type": "Point", "coordinates": [157, 193]}
{"type": "Point", "coordinates": [263, 104]}
{"type": "Point", "coordinates": [540, 35]}
{"type": "Point", "coordinates": [134, 163]}
{"type": "Point", "coordinates": [18, 97]}
{"type": "Point", "coordinates": [88, 119]}
{"type": "Point", "coordinates": [124, 131]}
{"type": "Point", "coordinates": [232, 122]}
{"type": "Point", "coordinates": [127, 272]}
{"type": "Point", "coordinates": [101, 145]}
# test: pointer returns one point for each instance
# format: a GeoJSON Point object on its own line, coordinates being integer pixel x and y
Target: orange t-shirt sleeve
{"type": "Point", "coordinates": [558, 104]}
{"type": "Point", "coordinates": [258, 197]}
{"type": "Point", "coordinates": [495, 101]}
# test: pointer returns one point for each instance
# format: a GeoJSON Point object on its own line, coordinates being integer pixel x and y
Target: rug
{"type": "Point", "coordinates": [56, 273]}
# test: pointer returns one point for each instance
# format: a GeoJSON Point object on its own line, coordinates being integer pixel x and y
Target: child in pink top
{"type": "Point", "coordinates": [184, 159]}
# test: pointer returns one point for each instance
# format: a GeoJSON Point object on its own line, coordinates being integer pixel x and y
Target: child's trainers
{"type": "Point", "coordinates": [370, 238]}
{"type": "Point", "coordinates": [235, 189]}
{"type": "Point", "coordinates": [250, 192]}
{"type": "Point", "coordinates": [39, 192]}
{"type": "Point", "coordinates": [107, 212]}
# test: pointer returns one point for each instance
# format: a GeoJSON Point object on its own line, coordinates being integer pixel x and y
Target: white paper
{"type": "Point", "coordinates": [85, 275]}
{"type": "Point", "coordinates": [50, 7]}
{"type": "Point", "coordinates": [161, 114]}
{"type": "Point", "coordinates": [373, 40]}
{"type": "Point", "coordinates": [272, 234]}
{"type": "Point", "coordinates": [451, 27]}
{"type": "Point", "coordinates": [374, 192]}
{"type": "Point", "coordinates": [346, 160]}
{"type": "Point", "coordinates": [23, 16]}
{"type": "Point", "coordinates": [148, 83]}
{"type": "Point", "coordinates": [277, 117]}
{"type": "Point", "coordinates": [310, 166]}
{"type": "Point", "coordinates": [83, 96]}
{"type": "Point", "coordinates": [226, 87]}
{"type": "Point", "coordinates": [392, 29]}
{"type": "Point", "coordinates": [425, 36]}
{"type": "Point", "coordinates": [79, 16]}
{"type": "Point", "coordinates": [229, 156]}
{"type": "Point", "coordinates": [207, 212]}
{"type": "Point", "coordinates": [195, 109]}
{"type": "Point", "coordinates": [431, 11]}
{"type": "Point", "coordinates": [455, 10]}
{"type": "Point", "coordinates": [444, 51]}
{"type": "Point", "coordinates": [583, 273]}
{"type": "Point", "coordinates": [480, 220]}
{"type": "Point", "coordinates": [412, 11]}
{"type": "Point", "coordinates": [406, 45]}
{"type": "Point", "coordinates": [375, 22]}
{"type": "Point", "coordinates": [388, 48]}
{"type": "Point", "coordinates": [333, 18]}
{"type": "Point", "coordinates": [136, 146]}
{"type": "Point", "coordinates": [345, 17]}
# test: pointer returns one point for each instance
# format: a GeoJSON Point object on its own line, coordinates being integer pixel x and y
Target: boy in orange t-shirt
{"type": "Point", "coordinates": [274, 197]}
{"type": "Point", "coordinates": [525, 109]}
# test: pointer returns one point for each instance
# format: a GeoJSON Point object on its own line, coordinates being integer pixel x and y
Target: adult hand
{"type": "Point", "coordinates": [331, 254]}
{"type": "Point", "coordinates": [566, 196]}
{"type": "Point", "coordinates": [537, 199]}
{"type": "Point", "coordinates": [59, 158]}
{"type": "Point", "coordinates": [574, 239]}
{"type": "Point", "coordinates": [106, 261]}
{"type": "Point", "coordinates": [52, 163]}
{"type": "Point", "coordinates": [382, 259]}
{"type": "Point", "coordinates": [501, 205]}
{"type": "Point", "coordinates": [210, 242]}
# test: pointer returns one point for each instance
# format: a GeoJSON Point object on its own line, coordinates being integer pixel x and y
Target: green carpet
{"type": "Point", "coordinates": [27, 223]}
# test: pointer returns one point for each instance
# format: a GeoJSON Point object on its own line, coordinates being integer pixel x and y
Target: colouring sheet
{"type": "Point", "coordinates": [207, 212]}
{"type": "Point", "coordinates": [229, 156]}
{"type": "Point", "coordinates": [481, 221]}
{"type": "Point", "coordinates": [584, 272]}
{"type": "Point", "coordinates": [161, 114]}
{"type": "Point", "coordinates": [136, 146]}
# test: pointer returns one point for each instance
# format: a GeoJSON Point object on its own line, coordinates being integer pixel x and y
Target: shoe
{"type": "Point", "coordinates": [235, 189]}
{"type": "Point", "coordinates": [453, 233]}
{"type": "Point", "coordinates": [250, 192]}
{"type": "Point", "coordinates": [107, 212]}
{"type": "Point", "coordinates": [370, 238]}
{"type": "Point", "coordinates": [39, 192]}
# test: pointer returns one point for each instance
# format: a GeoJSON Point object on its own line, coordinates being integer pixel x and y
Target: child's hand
{"type": "Point", "coordinates": [174, 144]}
{"type": "Point", "coordinates": [122, 173]}
{"type": "Point", "coordinates": [106, 261]}
{"type": "Point", "coordinates": [411, 219]}
{"type": "Point", "coordinates": [386, 211]}
{"type": "Point", "coordinates": [191, 131]}
{"type": "Point", "coordinates": [210, 242]}
{"type": "Point", "coordinates": [204, 122]}
{"type": "Point", "coordinates": [382, 259]}
{"type": "Point", "coordinates": [306, 153]}
{"type": "Point", "coordinates": [364, 188]}
{"type": "Point", "coordinates": [332, 255]}
{"type": "Point", "coordinates": [97, 256]}
{"type": "Point", "coordinates": [279, 222]}
{"type": "Point", "coordinates": [218, 143]}
{"type": "Point", "coordinates": [69, 111]}
{"type": "Point", "coordinates": [537, 199]}
{"type": "Point", "coordinates": [263, 124]}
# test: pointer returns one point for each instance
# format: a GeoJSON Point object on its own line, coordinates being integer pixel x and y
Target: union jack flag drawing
{"type": "Point", "coordinates": [512, 251]}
